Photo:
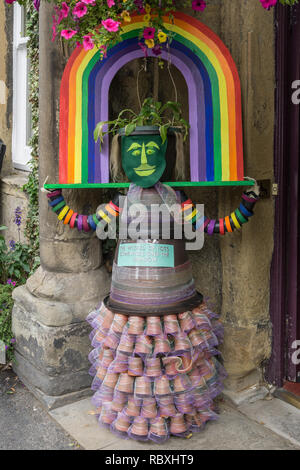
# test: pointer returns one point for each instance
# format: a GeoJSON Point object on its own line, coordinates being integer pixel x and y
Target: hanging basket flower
{"type": "Point", "coordinates": [97, 23]}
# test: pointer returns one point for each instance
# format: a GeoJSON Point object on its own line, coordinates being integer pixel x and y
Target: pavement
{"type": "Point", "coordinates": [25, 424]}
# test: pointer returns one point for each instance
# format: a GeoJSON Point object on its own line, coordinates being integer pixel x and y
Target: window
{"type": "Point", "coordinates": [21, 152]}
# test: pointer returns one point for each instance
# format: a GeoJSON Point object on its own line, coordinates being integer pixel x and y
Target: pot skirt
{"type": "Point", "coordinates": [155, 377]}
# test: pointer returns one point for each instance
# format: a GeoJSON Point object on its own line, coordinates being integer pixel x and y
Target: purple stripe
{"type": "Point", "coordinates": [196, 108]}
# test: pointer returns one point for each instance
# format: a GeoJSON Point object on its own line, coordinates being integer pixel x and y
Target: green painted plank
{"type": "Point", "coordinates": [174, 184]}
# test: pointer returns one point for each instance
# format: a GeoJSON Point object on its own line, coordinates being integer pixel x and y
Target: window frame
{"type": "Point", "coordinates": [21, 151]}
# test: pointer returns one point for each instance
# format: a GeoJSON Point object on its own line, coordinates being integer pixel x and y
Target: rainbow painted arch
{"type": "Point", "coordinates": [214, 104]}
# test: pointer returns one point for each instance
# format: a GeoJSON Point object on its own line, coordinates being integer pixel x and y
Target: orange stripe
{"type": "Point", "coordinates": [227, 223]}
{"type": "Point", "coordinates": [72, 115]}
{"type": "Point", "coordinates": [68, 216]}
{"type": "Point", "coordinates": [111, 211]}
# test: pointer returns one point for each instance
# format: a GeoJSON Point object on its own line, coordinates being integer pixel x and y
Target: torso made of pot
{"type": "Point", "coordinates": [152, 274]}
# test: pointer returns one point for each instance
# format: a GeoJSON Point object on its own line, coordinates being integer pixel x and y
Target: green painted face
{"type": "Point", "coordinates": [143, 159]}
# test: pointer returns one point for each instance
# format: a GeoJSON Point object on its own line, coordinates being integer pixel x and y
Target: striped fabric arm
{"type": "Point", "coordinates": [221, 226]}
{"type": "Point", "coordinates": [84, 223]}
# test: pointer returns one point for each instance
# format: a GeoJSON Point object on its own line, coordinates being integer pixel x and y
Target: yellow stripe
{"type": "Point", "coordinates": [104, 216]}
{"type": "Point", "coordinates": [63, 212]}
{"type": "Point", "coordinates": [192, 215]}
{"type": "Point", "coordinates": [235, 220]}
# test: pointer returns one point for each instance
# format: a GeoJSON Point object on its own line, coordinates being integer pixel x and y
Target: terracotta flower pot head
{"type": "Point", "coordinates": [136, 325]}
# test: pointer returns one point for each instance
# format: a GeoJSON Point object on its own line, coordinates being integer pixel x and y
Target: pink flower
{"type": "Point", "coordinates": [64, 10]}
{"type": "Point", "coordinates": [88, 42]}
{"type": "Point", "coordinates": [267, 4]}
{"type": "Point", "coordinates": [110, 3]}
{"type": "Point", "coordinates": [103, 50]}
{"type": "Point", "coordinates": [199, 5]}
{"type": "Point", "coordinates": [68, 33]}
{"type": "Point", "coordinates": [157, 50]}
{"type": "Point", "coordinates": [149, 33]}
{"type": "Point", "coordinates": [144, 48]}
{"type": "Point", "coordinates": [111, 25]}
{"type": "Point", "coordinates": [10, 1]}
{"type": "Point", "coordinates": [79, 10]}
{"type": "Point", "coordinates": [89, 2]}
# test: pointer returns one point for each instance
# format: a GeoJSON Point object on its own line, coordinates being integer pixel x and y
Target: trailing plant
{"type": "Point", "coordinates": [6, 305]}
{"type": "Point", "coordinates": [31, 188]}
{"type": "Point", "coordinates": [152, 113]}
{"type": "Point", "coordinates": [98, 23]}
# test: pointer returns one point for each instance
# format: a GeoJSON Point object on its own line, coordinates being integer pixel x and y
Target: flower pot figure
{"type": "Point", "coordinates": [159, 331]}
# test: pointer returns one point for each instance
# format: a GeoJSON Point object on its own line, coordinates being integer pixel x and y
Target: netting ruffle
{"type": "Point", "coordinates": [156, 376]}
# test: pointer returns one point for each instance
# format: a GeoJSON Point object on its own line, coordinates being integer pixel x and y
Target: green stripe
{"type": "Point", "coordinates": [240, 216]}
{"type": "Point", "coordinates": [97, 221]}
{"type": "Point", "coordinates": [173, 184]}
{"type": "Point", "coordinates": [59, 206]}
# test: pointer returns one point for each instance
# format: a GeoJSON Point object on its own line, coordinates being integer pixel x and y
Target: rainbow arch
{"type": "Point", "coordinates": [214, 104]}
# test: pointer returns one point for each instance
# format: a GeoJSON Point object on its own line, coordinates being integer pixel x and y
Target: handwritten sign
{"type": "Point", "coordinates": [146, 255]}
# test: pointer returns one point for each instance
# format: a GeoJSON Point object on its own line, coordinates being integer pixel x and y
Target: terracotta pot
{"type": "Point", "coordinates": [182, 343]}
{"type": "Point", "coordinates": [167, 407]}
{"type": "Point", "coordinates": [101, 372]}
{"type": "Point", "coordinates": [143, 345]}
{"type": "Point", "coordinates": [108, 357]}
{"type": "Point", "coordinates": [183, 405]}
{"type": "Point", "coordinates": [125, 384]}
{"type": "Point", "coordinates": [107, 318]}
{"type": "Point", "coordinates": [149, 408]}
{"type": "Point", "coordinates": [153, 327]}
{"type": "Point", "coordinates": [153, 367]}
{"type": "Point", "coordinates": [107, 416]}
{"type": "Point", "coordinates": [143, 387]}
{"type": "Point", "coordinates": [158, 427]}
{"type": "Point", "coordinates": [135, 366]}
{"type": "Point", "coordinates": [139, 427]}
{"type": "Point", "coordinates": [133, 407]}
{"type": "Point", "coordinates": [111, 380]}
{"type": "Point", "coordinates": [186, 364]}
{"type": "Point", "coordinates": [117, 406]}
{"type": "Point", "coordinates": [120, 363]}
{"type": "Point", "coordinates": [118, 323]}
{"type": "Point", "coordinates": [162, 386]}
{"type": "Point", "coordinates": [111, 341]}
{"type": "Point", "coordinates": [171, 364]}
{"type": "Point", "coordinates": [126, 344]}
{"type": "Point", "coordinates": [186, 321]}
{"type": "Point", "coordinates": [122, 423]}
{"type": "Point", "coordinates": [171, 325]}
{"type": "Point", "coordinates": [181, 384]}
{"type": "Point", "coordinates": [161, 346]}
{"type": "Point", "coordinates": [178, 425]}
{"type": "Point", "coordinates": [136, 325]}
{"type": "Point", "coordinates": [99, 337]}
{"type": "Point", "coordinates": [196, 338]}
{"type": "Point", "coordinates": [195, 377]}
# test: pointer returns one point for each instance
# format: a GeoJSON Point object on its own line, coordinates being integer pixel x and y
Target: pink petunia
{"type": "Point", "coordinates": [79, 10]}
{"type": "Point", "coordinates": [149, 33]}
{"type": "Point", "coordinates": [10, 1]}
{"type": "Point", "coordinates": [110, 3]}
{"type": "Point", "coordinates": [199, 5]}
{"type": "Point", "coordinates": [64, 10]}
{"type": "Point", "coordinates": [267, 4]}
{"type": "Point", "coordinates": [111, 25]}
{"type": "Point", "coordinates": [89, 2]}
{"type": "Point", "coordinates": [68, 33]}
{"type": "Point", "coordinates": [88, 43]}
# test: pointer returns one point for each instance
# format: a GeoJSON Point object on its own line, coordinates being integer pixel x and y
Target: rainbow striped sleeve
{"type": "Point", "coordinates": [221, 226]}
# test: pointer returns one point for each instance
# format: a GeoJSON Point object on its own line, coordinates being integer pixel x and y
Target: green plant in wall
{"type": "Point", "coordinates": [32, 186]}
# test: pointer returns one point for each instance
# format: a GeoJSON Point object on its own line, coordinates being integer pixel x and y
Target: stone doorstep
{"type": "Point", "coordinates": [234, 430]}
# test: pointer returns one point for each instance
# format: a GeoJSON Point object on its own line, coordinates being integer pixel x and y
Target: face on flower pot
{"type": "Point", "coordinates": [143, 159]}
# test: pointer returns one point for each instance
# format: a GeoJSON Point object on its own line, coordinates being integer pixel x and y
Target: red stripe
{"type": "Point", "coordinates": [64, 119]}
